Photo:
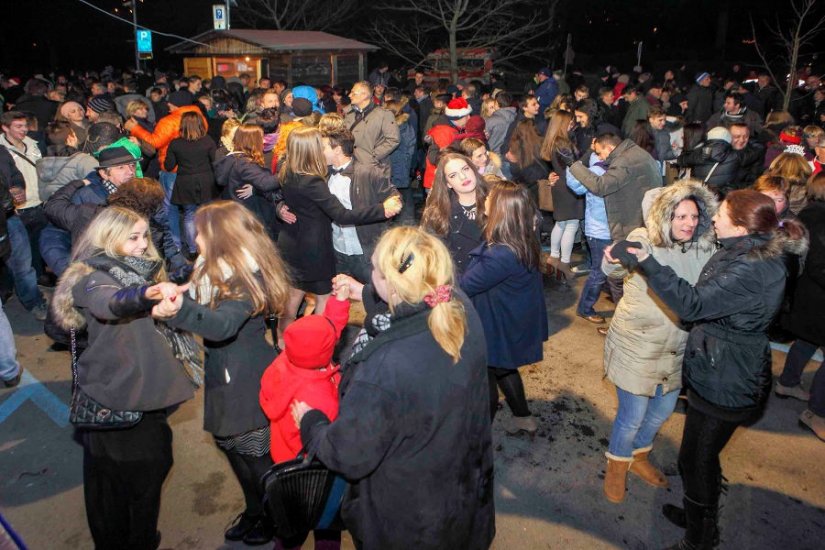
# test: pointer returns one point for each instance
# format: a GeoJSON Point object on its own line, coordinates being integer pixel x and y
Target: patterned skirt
{"type": "Point", "coordinates": [252, 443]}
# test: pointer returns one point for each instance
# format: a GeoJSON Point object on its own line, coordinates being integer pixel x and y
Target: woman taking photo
{"type": "Point", "coordinates": [112, 289]}
{"type": "Point", "coordinates": [568, 207]}
{"type": "Point", "coordinates": [239, 280]}
{"type": "Point", "coordinates": [307, 244]}
{"type": "Point", "coordinates": [413, 407]}
{"type": "Point", "coordinates": [454, 211]}
{"type": "Point", "coordinates": [727, 366]}
{"type": "Point", "coordinates": [504, 282]}
{"type": "Point", "coordinates": [646, 342]}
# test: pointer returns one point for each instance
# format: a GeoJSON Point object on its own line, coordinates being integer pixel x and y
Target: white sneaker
{"type": "Point", "coordinates": [40, 311]}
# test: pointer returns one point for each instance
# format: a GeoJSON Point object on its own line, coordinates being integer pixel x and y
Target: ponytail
{"type": "Point", "coordinates": [448, 326]}
{"type": "Point", "coordinates": [794, 234]}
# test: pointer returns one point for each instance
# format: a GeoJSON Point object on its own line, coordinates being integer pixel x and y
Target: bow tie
{"type": "Point", "coordinates": [335, 171]}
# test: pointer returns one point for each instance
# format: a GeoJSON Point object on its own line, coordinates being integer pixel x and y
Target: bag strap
{"type": "Point", "coordinates": [22, 156]}
{"type": "Point", "coordinates": [73, 334]}
{"type": "Point", "coordinates": [712, 170]}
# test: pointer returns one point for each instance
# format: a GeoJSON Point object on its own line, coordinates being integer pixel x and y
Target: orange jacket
{"type": "Point", "coordinates": [167, 129]}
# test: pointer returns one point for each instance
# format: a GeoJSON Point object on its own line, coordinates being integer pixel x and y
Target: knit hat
{"type": "Point", "coordinates": [310, 341]}
{"type": "Point", "coordinates": [100, 135]}
{"type": "Point", "coordinates": [701, 76]}
{"type": "Point", "coordinates": [790, 138]}
{"type": "Point", "coordinates": [101, 104]}
{"type": "Point", "coordinates": [457, 108]}
{"type": "Point", "coordinates": [180, 98]}
{"type": "Point", "coordinates": [301, 107]}
{"type": "Point", "coordinates": [720, 132]}
{"type": "Point", "coordinates": [545, 71]}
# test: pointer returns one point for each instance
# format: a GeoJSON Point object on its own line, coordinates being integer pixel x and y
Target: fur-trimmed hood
{"type": "Point", "coordinates": [66, 315]}
{"type": "Point", "coordinates": [658, 206]}
{"type": "Point", "coordinates": [769, 246]}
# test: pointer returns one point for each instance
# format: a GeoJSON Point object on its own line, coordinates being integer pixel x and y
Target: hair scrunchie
{"type": "Point", "coordinates": [441, 294]}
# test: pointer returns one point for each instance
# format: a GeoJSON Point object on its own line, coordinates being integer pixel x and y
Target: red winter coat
{"type": "Point", "coordinates": [303, 372]}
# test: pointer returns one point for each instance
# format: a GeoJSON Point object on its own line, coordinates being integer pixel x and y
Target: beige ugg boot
{"type": "Point", "coordinates": [615, 480]}
{"type": "Point", "coordinates": [649, 473]}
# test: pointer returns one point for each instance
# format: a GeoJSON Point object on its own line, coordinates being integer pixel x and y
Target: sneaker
{"type": "Point", "coordinates": [797, 392]}
{"type": "Point", "coordinates": [14, 381]}
{"type": "Point", "coordinates": [521, 424]}
{"type": "Point", "coordinates": [40, 311]}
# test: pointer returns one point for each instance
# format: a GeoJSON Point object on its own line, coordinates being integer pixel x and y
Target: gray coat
{"type": "Point", "coordinates": [497, 125]}
{"type": "Point", "coordinates": [631, 173]}
{"type": "Point", "coordinates": [55, 172]}
{"type": "Point", "coordinates": [128, 365]}
{"type": "Point", "coordinates": [646, 341]}
{"type": "Point", "coordinates": [376, 136]}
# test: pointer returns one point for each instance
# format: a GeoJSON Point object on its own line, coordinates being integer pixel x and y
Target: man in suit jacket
{"type": "Point", "coordinates": [356, 185]}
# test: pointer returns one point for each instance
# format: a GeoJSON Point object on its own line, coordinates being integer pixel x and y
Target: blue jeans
{"type": "Point", "coordinates": [167, 181]}
{"type": "Point", "coordinates": [189, 225]}
{"type": "Point", "coordinates": [638, 420]}
{"type": "Point", "coordinates": [595, 279]}
{"type": "Point", "coordinates": [20, 265]}
{"type": "Point", "coordinates": [9, 367]}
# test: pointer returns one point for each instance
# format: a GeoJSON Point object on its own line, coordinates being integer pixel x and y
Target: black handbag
{"type": "Point", "coordinates": [302, 495]}
{"type": "Point", "coordinates": [88, 414]}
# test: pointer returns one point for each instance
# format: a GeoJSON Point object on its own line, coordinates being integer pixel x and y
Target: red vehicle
{"type": "Point", "coordinates": [473, 64]}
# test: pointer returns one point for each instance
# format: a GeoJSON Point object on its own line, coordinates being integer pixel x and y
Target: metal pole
{"type": "Point", "coordinates": [228, 3]}
{"type": "Point", "coordinates": [134, 24]}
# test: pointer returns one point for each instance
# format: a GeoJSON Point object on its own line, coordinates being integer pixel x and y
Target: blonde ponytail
{"type": "Point", "coordinates": [416, 265]}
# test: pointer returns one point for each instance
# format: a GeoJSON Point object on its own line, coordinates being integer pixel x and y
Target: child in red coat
{"type": "Point", "coordinates": [304, 372]}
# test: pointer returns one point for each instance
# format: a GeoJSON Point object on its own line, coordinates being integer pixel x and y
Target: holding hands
{"type": "Point", "coordinates": [169, 296]}
{"type": "Point", "coordinates": [344, 286]}
{"type": "Point", "coordinates": [392, 206]}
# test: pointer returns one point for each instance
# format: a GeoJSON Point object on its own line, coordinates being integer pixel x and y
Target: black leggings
{"type": "Point", "coordinates": [509, 380]}
{"type": "Point", "coordinates": [249, 470]}
{"type": "Point", "coordinates": [702, 441]}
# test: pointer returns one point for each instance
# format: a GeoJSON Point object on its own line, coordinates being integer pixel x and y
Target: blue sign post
{"type": "Point", "coordinates": [144, 42]}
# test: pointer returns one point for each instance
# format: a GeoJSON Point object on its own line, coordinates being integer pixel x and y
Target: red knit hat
{"type": "Point", "coordinates": [310, 341]}
{"type": "Point", "coordinates": [457, 108]}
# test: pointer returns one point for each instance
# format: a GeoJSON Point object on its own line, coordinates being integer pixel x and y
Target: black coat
{"type": "Point", "coordinates": [465, 234]}
{"type": "Point", "coordinates": [751, 164]}
{"type": "Point", "coordinates": [237, 355]}
{"type": "Point", "coordinates": [530, 175]}
{"type": "Point", "coordinates": [807, 319]}
{"type": "Point", "coordinates": [234, 170]}
{"type": "Point", "coordinates": [195, 182]}
{"type": "Point", "coordinates": [369, 186]}
{"type": "Point", "coordinates": [715, 163]}
{"type": "Point", "coordinates": [727, 362]}
{"type": "Point", "coordinates": [413, 438]}
{"type": "Point", "coordinates": [306, 245]}
{"type": "Point", "coordinates": [566, 204]}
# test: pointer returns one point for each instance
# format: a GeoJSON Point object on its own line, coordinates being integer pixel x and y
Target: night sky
{"type": "Point", "coordinates": [65, 34]}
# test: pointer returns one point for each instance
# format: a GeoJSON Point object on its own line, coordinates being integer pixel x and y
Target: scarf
{"type": "Point", "coordinates": [203, 291]}
{"type": "Point", "coordinates": [133, 271]}
{"type": "Point", "coordinates": [381, 320]}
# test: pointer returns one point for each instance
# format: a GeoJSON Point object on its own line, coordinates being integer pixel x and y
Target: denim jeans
{"type": "Point", "coordinates": [798, 356]}
{"type": "Point", "coordinates": [9, 367]}
{"type": "Point", "coordinates": [167, 181]}
{"type": "Point", "coordinates": [20, 265]}
{"type": "Point", "coordinates": [56, 248]}
{"type": "Point", "coordinates": [596, 278]}
{"type": "Point", "coordinates": [189, 224]}
{"type": "Point", "coordinates": [638, 420]}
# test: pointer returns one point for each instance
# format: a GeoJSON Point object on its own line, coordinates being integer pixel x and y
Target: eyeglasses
{"type": "Point", "coordinates": [405, 265]}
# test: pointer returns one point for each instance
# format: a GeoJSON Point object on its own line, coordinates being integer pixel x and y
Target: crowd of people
{"type": "Point", "coordinates": [251, 215]}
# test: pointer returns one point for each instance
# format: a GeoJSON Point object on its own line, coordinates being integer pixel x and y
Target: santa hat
{"type": "Point", "coordinates": [457, 108]}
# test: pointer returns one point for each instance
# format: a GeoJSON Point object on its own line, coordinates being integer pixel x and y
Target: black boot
{"type": "Point", "coordinates": [702, 532]}
{"type": "Point", "coordinates": [242, 525]}
{"type": "Point", "coordinates": [261, 533]}
{"type": "Point", "coordinates": [675, 515]}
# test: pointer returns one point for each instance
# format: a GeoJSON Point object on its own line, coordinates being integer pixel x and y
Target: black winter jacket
{"type": "Point", "coordinates": [234, 170]}
{"type": "Point", "coordinates": [715, 163]}
{"type": "Point", "coordinates": [807, 319]}
{"type": "Point", "coordinates": [413, 438]}
{"type": "Point", "coordinates": [465, 234]}
{"type": "Point", "coordinates": [727, 361]}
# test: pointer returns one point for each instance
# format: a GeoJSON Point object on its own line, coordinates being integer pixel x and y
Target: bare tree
{"type": "Point", "coordinates": [515, 28]}
{"type": "Point", "coordinates": [789, 40]}
{"type": "Point", "coordinates": [319, 15]}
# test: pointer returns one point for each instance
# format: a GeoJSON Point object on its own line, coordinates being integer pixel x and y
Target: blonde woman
{"type": "Point", "coordinates": [307, 244]}
{"type": "Point", "coordinates": [795, 170]}
{"type": "Point", "coordinates": [113, 288]}
{"type": "Point", "coordinates": [239, 280]}
{"type": "Point", "coordinates": [413, 407]}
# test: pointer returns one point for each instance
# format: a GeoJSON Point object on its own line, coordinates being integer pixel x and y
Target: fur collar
{"type": "Point", "coordinates": [66, 315]}
{"type": "Point", "coordinates": [661, 203]}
